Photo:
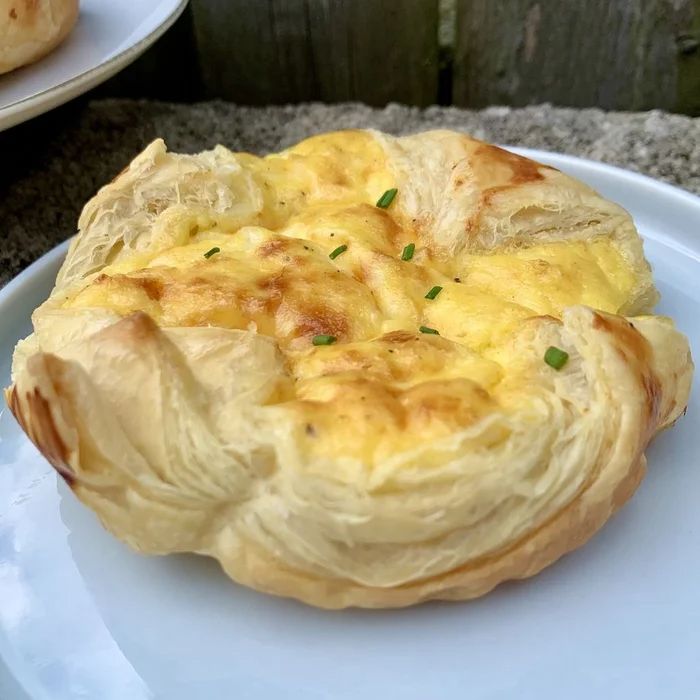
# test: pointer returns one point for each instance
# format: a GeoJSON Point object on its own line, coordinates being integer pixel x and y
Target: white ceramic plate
{"type": "Point", "coordinates": [81, 616]}
{"type": "Point", "coordinates": [108, 36]}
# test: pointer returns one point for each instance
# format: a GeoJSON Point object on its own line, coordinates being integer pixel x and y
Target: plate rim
{"type": "Point", "coordinates": [33, 105]}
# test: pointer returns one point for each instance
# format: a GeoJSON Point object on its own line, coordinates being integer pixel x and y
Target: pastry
{"type": "Point", "coordinates": [365, 371]}
{"type": "Point", "coordinates": [29, 29]}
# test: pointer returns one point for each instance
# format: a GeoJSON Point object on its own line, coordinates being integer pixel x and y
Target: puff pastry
{"type": "Point", "coordinates": [29, 29]}
{"type": "Point", "coordinates": [365, 371]}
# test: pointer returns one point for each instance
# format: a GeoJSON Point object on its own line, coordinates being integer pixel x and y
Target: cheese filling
{"type": "Point", "coordinates": [381, 376]}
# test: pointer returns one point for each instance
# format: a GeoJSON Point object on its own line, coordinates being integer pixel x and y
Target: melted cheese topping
{"type": "Point", "coordinates": [383, 383]}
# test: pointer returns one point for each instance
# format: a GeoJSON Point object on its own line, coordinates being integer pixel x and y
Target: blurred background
{"type": "Point", "coordinates": [613, 54]}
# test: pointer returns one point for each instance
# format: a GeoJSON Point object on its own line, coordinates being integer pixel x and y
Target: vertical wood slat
{"type": "Point", "coordinates": [688, 101]}
{"type": "Point", "coordinates": [279, 51]}
{"type": "Point", "coordinates": [614, 54]}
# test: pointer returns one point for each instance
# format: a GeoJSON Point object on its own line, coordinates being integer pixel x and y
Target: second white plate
{"type": "Point", "coordinates": [108, 36]}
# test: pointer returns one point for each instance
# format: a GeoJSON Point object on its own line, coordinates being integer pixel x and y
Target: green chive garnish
{"type": "Point", "coordinates": [555, 357]}
{"type": "Point", "coordinates": [430, 331]}
{"type": "Point", "coordinates": [387, 198]}
{"type": "Point", "coordinates": [408, 251]}
{"type": "Point", "coordinates": [338, 251]}
{"type": "Point", "coordinates": [323, 339]}
{"type": "Point", "coordinates": [433, 292]}
{"type": "Point", "coordinates": [212, 251]}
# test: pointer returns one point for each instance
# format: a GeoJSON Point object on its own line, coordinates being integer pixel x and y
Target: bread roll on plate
{"type": "Point", "coordinates": [29, 29]}
{"type": "Point", "coordinates": [365, 371]}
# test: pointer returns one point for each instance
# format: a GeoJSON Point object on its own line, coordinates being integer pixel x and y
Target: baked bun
{"type": "Point", "coordinates": [29, 29]}
{"type": "Point", "coordinates": [239, 360]}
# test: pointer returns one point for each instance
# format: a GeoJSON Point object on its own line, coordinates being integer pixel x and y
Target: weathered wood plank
{"type": "Point", "coordinates": [688, 41]}
{"type": "Point", "coordinates": [615, 54]}
{"type": "Point", "coordinates": [376, 51]}
{"type": "Point", "coordinates": [254, 51]}
{"type": "Point", "coordinates": [278, 51]}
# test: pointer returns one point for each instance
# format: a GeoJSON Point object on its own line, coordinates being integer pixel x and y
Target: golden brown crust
{"type": "Point", "coordinates": [34, 415]}
{"type": "Point", "coordinates": [172, 376]}
{"type": "Point", "coordinates": [29, 29]}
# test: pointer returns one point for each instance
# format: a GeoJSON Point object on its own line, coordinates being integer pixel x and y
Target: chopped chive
{"type": "Point", "coordinates": [323, 339]}
{"type": "Point", "coordinates": [387, 198]}
{"type": "Point", "coordinates": [555, 357]}
{"type": "Point", "coordinates": [433, 292]}
{"type": "Point", "coordinates": [338, 251]}
{"type": "Point", "coordinates": [408, 251]}
{"type": "Point", "coordinates": [427, 329]}
{"type": "Point", "coordinates": [212, 251]}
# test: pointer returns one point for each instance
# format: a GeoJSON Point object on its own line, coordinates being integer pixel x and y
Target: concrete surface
{"type": "Point", "coordinates": [50, 166]}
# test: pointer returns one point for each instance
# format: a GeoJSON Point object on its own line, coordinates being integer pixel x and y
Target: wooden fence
{"type": "Point", "coordinates": [615, 54]}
